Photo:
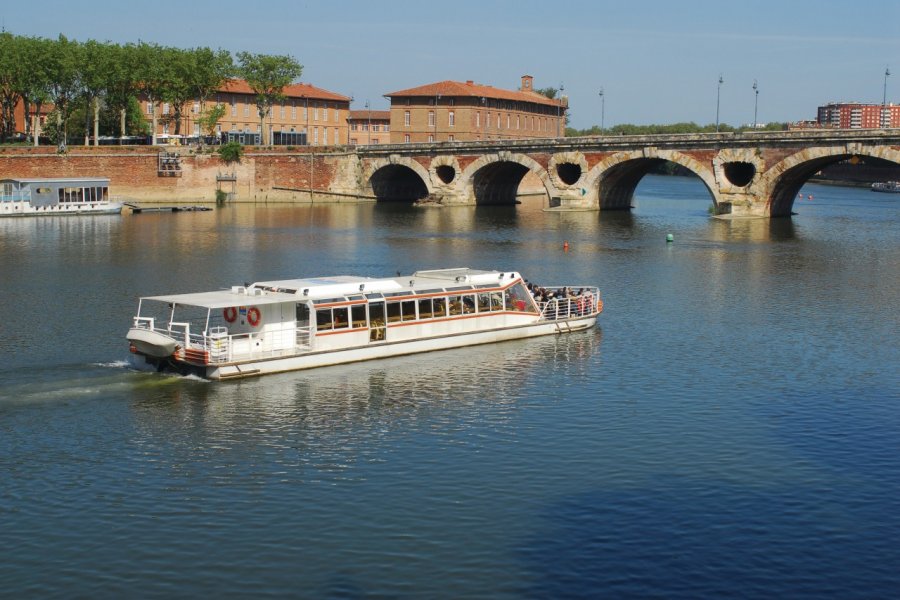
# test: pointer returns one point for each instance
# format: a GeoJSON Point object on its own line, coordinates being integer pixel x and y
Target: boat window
{"type": "Point", "coordinates": [341, 317]}
{"type": "Point", "coordinates": [374, 296]}
{"type": "Point", "coordinates": [459, 287]}
{"type": "Point", "coordinates": [468, 304]}
{"type": "Point", "coordinates": [323, 319]}
{"type": "Point", "coordinates": [484, 302]}
{"type": "Point", "coordinates": [518, 298]}
{"type": "Point", "coordinates": [358, 315]}
{"type": "Point", "coordinates": [393, 312]}
{"type": "Point", "coordinates": [439, 306]}
{"type": "Point", "coordinates": [328, 300]}
{"type": "Point", "coordinates": [355, 297]}
{"type": "Point", "coordinates": [482, 286]}
{"type": "Point", "coordinates": [409, 310]}
{"type": "Point", "coordinates": [302, 314]}
{"type": "Point", "coordinates": [496, 300]}
{"type": "Point", "coordinates": [455, 305]}
{"type": "Point", "coordinates": [431, 292]}
{"type": "Point", "coordinates": [425, 308]}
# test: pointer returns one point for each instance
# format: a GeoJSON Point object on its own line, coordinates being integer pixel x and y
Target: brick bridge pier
{"type": "Point", "coordinates": [756, 174]}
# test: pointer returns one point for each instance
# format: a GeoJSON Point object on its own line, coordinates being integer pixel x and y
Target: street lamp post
{"type": "Point", "coordinates": [368, 124]}
{"type": "Point", "coordinates": [718, 95]}
{"type": "Point", "coordinates": [602, 109]}
{"type": "Point", "coordinates": [436, 100]}
{"type": "Point", "coordinates": [755, 102]}
{"type": "Point", "coordinates": [885, 121]}
{"type": "Point", "coordinates": [559, 111]}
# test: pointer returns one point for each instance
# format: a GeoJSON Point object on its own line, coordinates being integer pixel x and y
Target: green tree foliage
{"type": "Point", "coordinates": [210, 117]}
{"type": "Point", "coordinates": [232, 152]}
{"type": "Point", "coordinates": [267, 76]}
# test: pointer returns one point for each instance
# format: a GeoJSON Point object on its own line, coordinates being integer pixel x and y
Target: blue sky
{"type": "Point", "coordinates": [657, 61]}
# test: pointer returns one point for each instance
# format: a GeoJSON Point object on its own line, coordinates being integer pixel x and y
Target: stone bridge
{"type": "Point", "coordinates": [754, 174]}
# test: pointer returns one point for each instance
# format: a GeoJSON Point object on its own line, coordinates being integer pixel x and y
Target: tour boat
{"type": "Point", "coordinates": [49, 197]}
{"type": "Point", "coordinates": [892, 187]}
{"type": "Point", "coordinates": [276, 326]}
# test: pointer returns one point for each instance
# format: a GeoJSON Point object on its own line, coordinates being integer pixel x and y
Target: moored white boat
{"type": "Point", "coordinates": [276, 326]}
{"type": "Point", "coordinates": [55, 197]}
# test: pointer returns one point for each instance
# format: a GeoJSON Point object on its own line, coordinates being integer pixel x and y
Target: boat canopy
{"type": "Point", "coordinates": [223, 299]}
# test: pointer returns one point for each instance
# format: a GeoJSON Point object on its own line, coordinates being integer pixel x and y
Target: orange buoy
{"type": "Point", "coordinates": [565, 246]}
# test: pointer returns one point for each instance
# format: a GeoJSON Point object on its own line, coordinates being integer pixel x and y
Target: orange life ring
{"type": "Point", "coordinates": [230, 314]}
{"type": "Point", "coordinates": [253, 316]}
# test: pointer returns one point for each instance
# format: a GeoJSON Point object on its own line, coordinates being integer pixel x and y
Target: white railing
{"type": "Point", "coordinates": [219, 347]}
{"type": "Point", "coordinates": [575, 305]}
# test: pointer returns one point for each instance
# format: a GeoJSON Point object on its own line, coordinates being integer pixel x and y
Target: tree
{"type": "Point", "coordinates": [154, 76]}
{"type": "Point", "coordinates": [65, 82]}
{"type": "Point", "coordinates": [209, 118]}
{"type": "Point", "coordinates": [549, 92]}
{"type": "Point", "coordinates": [95, 64]}
{"type": "Point", "coordinates": [267, 76]}
{"type": "Point", "coordinates": [12, 64]}
{"type": "Point", "coordinates": [123, 83]}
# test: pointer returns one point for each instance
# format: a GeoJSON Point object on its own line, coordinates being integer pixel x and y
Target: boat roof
{"type": "Point", "coordinates": [340, 287]}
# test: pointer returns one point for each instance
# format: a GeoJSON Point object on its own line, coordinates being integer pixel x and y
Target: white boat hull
{"type": "Point", "coordinates": [378, 350]}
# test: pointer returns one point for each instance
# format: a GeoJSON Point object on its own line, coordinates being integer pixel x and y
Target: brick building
{"type": "Point", "coordinates": [319, 114]}
{"type": "Point", "coordinates": [856, 115]}
{"type": "Point", "coordinates": [457, 111]}
{"type": "Point", "coordinates": [369, 127]}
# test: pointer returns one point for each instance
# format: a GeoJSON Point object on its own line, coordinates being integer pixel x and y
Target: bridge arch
{"type": "Point", "coordinates": [398, 179]}
{"type": "Point", "coordinates": [616, 177]}
{"type": "Point", "coordinates": [784, 179]}
{"type": "Point", "coordinates": [495, 178]}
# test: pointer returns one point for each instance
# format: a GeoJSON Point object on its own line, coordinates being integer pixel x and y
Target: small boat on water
{"type": "Point", "coordinates": [51, 197]}
{"type": "Point", "coordinates": [892, 187]}
{"type": "Point", "coordinates": [287, 325]}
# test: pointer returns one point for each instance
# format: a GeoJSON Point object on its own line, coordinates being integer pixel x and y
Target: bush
{"type": "Point", "coordinates": [231, 152]}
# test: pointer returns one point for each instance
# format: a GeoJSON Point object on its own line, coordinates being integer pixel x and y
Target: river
{"type": "Point", "coordinates": [730, 428]}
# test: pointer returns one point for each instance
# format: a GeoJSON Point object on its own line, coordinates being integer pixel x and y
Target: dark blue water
{"type": "Point", "coordinates": [729, 430]}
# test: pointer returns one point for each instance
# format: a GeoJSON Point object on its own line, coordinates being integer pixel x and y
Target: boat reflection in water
{"type": "Point", "coordinates": [474, 384]}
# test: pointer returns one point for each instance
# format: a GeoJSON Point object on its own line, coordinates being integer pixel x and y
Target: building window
{"type": "Point", "coordinates": [247, 110]}
{"type": "Point", "coordinates": [406, 118]}
{"type": "Point", "coordinates": [324, 111]}
{"type": "Point", "coordinates": [352, 126]}
{"type": "Point", "coordinates": [385, 127]}
{"type": "Point", "coordinates": [374, 141]}
{"type": "Point", "coordinates": [316, 111]}
{"type": "Point", "coordinates": [282, 110]}
{"type": "Point", "coordinates": [430, 138]}
{"type": "Point", "coordinates": [452, 101]}
{"type": "Point", "coordinates": [149, 108]}
{"type": "Point", "coordinates": [431, 118]}
{"type": "Point", "coordinates": [406, 138]}
{"type": "Point", "coordinates": [165, 108]}
{"type": "Point", "coordinates": [165, 128]}
{"type": "Point", "coordinates": [233, 107]}
{"type": "Point", "coordinates": [451, 119]}
{"type": "Point", "coordinates": [316, 136]}
{"type": "Point", "coordinates": [478, 119]}
{"type": "Point", "coordinates": [507, 121]}
{"type": "Point", "coordinates": [293, 110]}
{"type": "Point", "coordinates": [335, 132]}
{"type": "Point", "coordinates": [196, 107]}
{"type": "Point", "coordinates": [306, 111]}
{"type": "Point", "coordinates": [517, 122]}
{"type": "Point", "coordinates": [451, 137]}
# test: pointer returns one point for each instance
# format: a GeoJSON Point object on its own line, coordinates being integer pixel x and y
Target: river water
{"type": "Point", "coordinates": [729, 429]}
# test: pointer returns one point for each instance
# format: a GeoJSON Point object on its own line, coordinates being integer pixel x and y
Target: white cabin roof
{"type": "Point", "coordinates": [316, 288]}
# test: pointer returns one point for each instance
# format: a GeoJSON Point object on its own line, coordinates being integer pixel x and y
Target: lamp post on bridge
{"type": "Point", "coordinates": [602, 109]}
{"type": "Point", "coordinates": [885, 121]}
{"type": "Point", "coordinates": [718, 95]}
{"type": "Point", "coordinates": [755, 102]}
{"type": "Point", "coordinates": [559, 111]}
{"type": "Point", "coordinates": [368, 124]}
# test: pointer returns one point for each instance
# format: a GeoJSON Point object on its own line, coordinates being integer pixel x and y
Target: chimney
{"type": "Point", "coordinates": [527, 83]}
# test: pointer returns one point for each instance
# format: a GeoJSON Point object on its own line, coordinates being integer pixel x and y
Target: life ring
{"type": "Point", "coordinates": [253, 316]}
{"type": "Point", "coordinates": [230, 314]}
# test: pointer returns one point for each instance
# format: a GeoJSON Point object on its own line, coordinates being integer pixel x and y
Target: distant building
{"type": "Point", "coordinates": [369, 127]}
{"type": "Point", "coordinates": [308, 115]}
{"type": "Point", "coordinates": [467, 111]}
{"type": "Point", "coordinates": [856, 115]}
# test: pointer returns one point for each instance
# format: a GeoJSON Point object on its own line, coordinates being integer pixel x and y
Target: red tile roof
{"type": "Point", "coordinates": [295, 90]}
{"type": "Point", "coordinates": [375, 115]}
{"type": "Point", "coordinates": [468, 88]}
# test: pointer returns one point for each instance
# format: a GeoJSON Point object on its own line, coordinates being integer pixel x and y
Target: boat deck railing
{"type": "Point", "coordinates": [17, 196]}
{"type": "Point", "coordinates": [585, 303]}
{"type": "Point", "coordinates": [218, 346]}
